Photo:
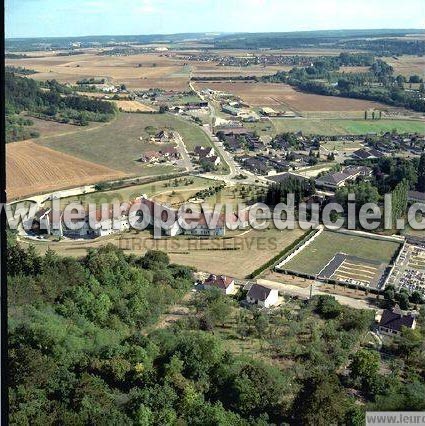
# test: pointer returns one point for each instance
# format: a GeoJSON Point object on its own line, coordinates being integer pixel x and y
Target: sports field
{"type": "Point", "coordinates": [322, 250]}
{"type": "Point", "coordinates": [117, 144]}
{"type": "Point", "coordinates": [343, 127]}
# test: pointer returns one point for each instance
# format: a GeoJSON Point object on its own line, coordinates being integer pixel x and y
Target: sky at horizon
{"type": "Point", "coordinates": [66, 18]}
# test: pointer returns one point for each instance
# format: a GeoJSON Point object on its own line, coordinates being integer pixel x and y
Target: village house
{"type": "Point", "coordinates": [102, 223]}
{"type": "Point", "coordinates": [233, 144]}
{"type": "Point", "coordinates": [201, 227]}
{"type": "Point", "coordinates": [221, 282]}
{"type": "Point", "coordinates": [163, 136]}
{"type": "Point", "coordinates": [371, 154]}
{"type": "Point", "coordinates": [257, 165]}
{"type": "Point", "coordinates": [167, 153]}
{"type": "Point", "coordinates": [204, 152]}
{"type": "Point", "coordinates": [232, 131]}
{"type": "Point", "coordinates": [213, 160]}
{"type": "Point", "coordinates": [262, 296]}
{"type": "Point", "coordinates": [150, 157]}
{"type": "Point", "coordinates": [191, 106]}
{"type": "Point", "coordinates": [253, 143]}
{"type": "Point", "coordinates": [392, 321]}
{"type": "Point", "coordinates": [230, 110]}
{"type": "Point", "coordinates": [91, 225]}
{"type": "Point", "coordinates": [286, 176]}
{"type": "Point", "coordinates": [339, 179]}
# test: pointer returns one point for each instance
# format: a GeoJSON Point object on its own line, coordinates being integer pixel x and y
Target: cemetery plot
{"type": "Point", "coordinates": [349, 256]}
{"type": "Point", "coordinates": [409, 271]}
{"type": "Point", "coordinates": [354, 270]}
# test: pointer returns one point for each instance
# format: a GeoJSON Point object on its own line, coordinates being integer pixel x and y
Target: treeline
{"type": "Point", "coordinates": [378, 42]}
{"type": "Point", "coordinates": [19, 128]}
{"type": "Point", "coordinates": [20, 70]}
{"type": "Point", "coordinates": [49, 100]}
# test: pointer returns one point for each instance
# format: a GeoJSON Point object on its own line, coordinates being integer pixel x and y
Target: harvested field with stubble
{"type": "Point", "coordinates": [133, 106]}
{"type": "Point", "coordinates": [33, 169]}
{"type": "Point", "coordinates": [284, 97]}
{"type": "Point", "coordinates": [407, 65]}
{"type": "Point", "coordinates": [211, 69]}
{"type": "Point", "coordinates": [142, 71]}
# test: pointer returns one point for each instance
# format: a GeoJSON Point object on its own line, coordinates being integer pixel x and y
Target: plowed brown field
{"type": "Point", "coordinates": [33, 169]}
{"type": "Point", "coordinates": [283, 96]}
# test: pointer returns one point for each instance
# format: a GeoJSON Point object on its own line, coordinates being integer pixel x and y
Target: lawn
{"type": "Point", "coordinates": [312, 259]}
{"type": "Point", "coordinates": [351, 127]}
{"type": "Point", "coordinates": [118, 145]}
{"type": "Point", "coordinates": [342, 146]}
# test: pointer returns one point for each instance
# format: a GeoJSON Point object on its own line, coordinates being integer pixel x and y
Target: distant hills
{"type": "Point", "coordinates": [343, 39]}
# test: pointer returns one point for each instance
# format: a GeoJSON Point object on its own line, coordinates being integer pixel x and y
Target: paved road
{"type": "Point", "coordinates": [183, 151]}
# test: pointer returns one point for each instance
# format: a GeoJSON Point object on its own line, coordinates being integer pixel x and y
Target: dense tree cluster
{"type": "Point", "coordinates": [49, 100]}
{"type": "Point", "coordinates": [80, 351]}
{"type": "Point", "coordinates": [20, 70]}
{"type": "Point", "coordinates": [278, 192]}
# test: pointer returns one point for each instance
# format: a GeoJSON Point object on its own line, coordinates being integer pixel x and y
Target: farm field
{"type": "Point", "coordinates": [117, 144]}
{"type": "Point", "coordinates": [343, 127]}
{"type": "Point", "coordinates": [133, 106]}
{"type": "Point", "coordinates": [407, 65]}
{"type": "Point", "coordinates": [142, 71]}
{"type": "Point", "coordinates": [51, 128]}
{"type": "Point", "coordinates": [314, 257]}
{"type": "Point", "coordinates": [284, 97]}
{"type": "Point", "coordinates": [34, 169]}
{"type": "Point", "coordinates": [211, 69]}
{"type": "Point", "coordinates": [237, 255]}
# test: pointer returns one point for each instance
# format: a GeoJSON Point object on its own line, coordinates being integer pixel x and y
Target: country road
{"type": "Point", "coordinates": [234, 168]}
{"type": "Point", "coordinates": [293, 290]}
{"type": "Point", "coordinates": [183, 151]}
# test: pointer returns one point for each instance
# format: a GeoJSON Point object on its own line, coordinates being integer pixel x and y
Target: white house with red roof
{"type": "Point", "coordinates": [221, 282]}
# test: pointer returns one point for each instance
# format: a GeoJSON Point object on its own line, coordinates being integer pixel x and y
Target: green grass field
{"type": "Point", "coordinates": [342, 127]}
{"type": "Point", "coordinates": [313, 259]}
{"type": "Point", "coordinates": [118, 145]}
{"type": "Point", "coordinates": [344, 146]}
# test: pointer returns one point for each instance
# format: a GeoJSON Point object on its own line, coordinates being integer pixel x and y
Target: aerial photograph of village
{"type": "Point", "coordinates": [215, 212]}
